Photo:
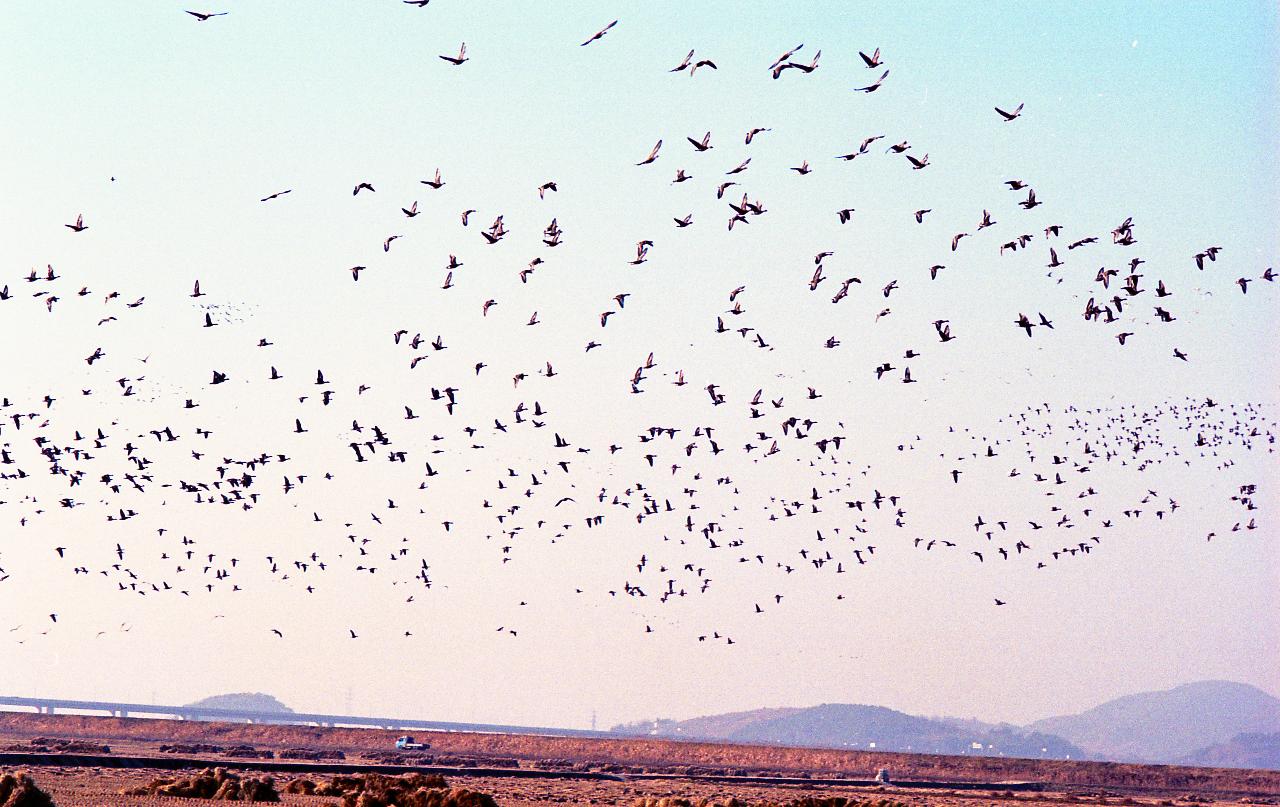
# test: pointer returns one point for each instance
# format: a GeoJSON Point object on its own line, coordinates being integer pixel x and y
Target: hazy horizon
{"type": "Point", "coordinates": [288, 702]}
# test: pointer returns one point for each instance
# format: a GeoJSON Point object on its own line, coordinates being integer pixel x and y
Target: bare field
{"type": "Point", "coordinates": [88, 787]}
{"type": "Point", "coordinates": [1066, 782]}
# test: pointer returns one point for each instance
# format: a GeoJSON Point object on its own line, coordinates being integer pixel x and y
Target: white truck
{"type": "Point", "coordinates": [407, 743]}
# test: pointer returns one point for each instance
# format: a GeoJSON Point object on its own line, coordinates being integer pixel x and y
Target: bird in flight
{"type": "Point", "coordinates": [460, 58]}
{"type": "Point", "coordinates": [1211, 253]}
{"type": "Point", "coordinates": [275, 195]}
{"type": "Point", "coordinates": [202, 16]}
{"type": "Point", "coordinates": [784, 63]}
{"type": "Point", "coordinates": [701, 145]}
{"type": "Point", "coordinates": [689, 64]}
{"type": "Point", "coordinates": [599, 34]}
{"type": "Point", "coordinates": [79, 226]}
{"type": "Point", "coordinates": [1008, 116]}
{"type": "Point", "coordinates": [438, 183]}
{"type": "Point", "coordinates": [1024, 323]}
{"type": "Point", "coordinates": [653, 155]}
{"type": "Point", "coordinates": [781, 62]}
{"type": "Point", "coordinates": [875, 86]}
{"type": "Point", "coordinates": [684, 63]}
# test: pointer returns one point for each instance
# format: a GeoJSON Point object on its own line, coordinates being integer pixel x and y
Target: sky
{"type": "Point", "coordinates": [164, 132]}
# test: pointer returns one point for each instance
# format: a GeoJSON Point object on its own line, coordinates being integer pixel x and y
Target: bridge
{"type": "Point", "coordinates": [51, 706]}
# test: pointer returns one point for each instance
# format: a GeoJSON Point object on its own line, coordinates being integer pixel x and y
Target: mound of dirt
{"type": "Point", "coordinates": [215, 784]}
{"type": "Point", "coordinates": [21, 791]}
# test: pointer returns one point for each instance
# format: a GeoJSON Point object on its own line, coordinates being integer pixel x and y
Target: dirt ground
{"type": "Point", "coordinates": [96, 787]}
{"type": "Point", "coordinates": [1065, 782]}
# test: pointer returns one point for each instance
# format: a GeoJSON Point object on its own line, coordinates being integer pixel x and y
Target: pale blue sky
{"type": "Point", "coordinates": [1166, 114]}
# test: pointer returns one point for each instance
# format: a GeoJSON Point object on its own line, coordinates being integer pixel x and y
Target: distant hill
{"type": "Point", "coordinates": [246, 701]}
{"type": "Point", "coordinates": [1241, 751]}
{"type": "Point", "coordinates": [840, 725]}
{"type": "Point", "coordinates": [1171, 725]}
{"type": "Point", "coordinates": [727, 725]}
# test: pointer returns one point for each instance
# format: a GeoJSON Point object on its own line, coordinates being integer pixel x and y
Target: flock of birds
{"type": "Point", "coordinates": [771, 480]}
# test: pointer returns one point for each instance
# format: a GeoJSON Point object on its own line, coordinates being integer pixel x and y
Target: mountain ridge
{"type": "Point", "coordinates": [1201, 720]}
{"type": "Point", "coordinates": [1168, 725]}
{"type": "Point", "coordinates": [860, 726]}
{"type": "Point", "coordinates": [243, 701]}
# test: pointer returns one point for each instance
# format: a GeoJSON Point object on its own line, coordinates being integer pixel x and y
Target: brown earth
{"type": "Point", "coordinates": [87, 787]}
{"type": "Point", "coordinates": [140, 737]}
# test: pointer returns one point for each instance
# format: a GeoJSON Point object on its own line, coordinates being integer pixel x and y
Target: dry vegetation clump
{"type": "Point", "coordinates": [248, 752]}
{"type": "Point", "coordinates": [675, 801]}
{"type": "Point", "coordinates": [399, 795]}
{"type": "Point", "coordinates": [477, 761]}
{"type": "Point", "coordinates": [452, 760]}
{"type": "Point", "coordinates": [301, 787]}
{"type": "Point", "coordinates": [612, 767]}
{"type": "Point", "coordinates": [215, 784]}
{"type": "Point", "coordinates": [21, 791]}
{"type": "Point", "coordinates": [310, 754]}
{"type": "Point", "coordinates": [837, 801]}
{"type": "Point", "coordinates": [398, 757]}
{"type": "Point", "coordinates": [191, 748]}
{"type": "Point", "coordinates": [377, 790]}
{"type": "Point", "coordinates": [806, 801]}
{"type": "Point", "coordinates": [352, 785]}
{"type": "Point", "coordinates": [56, 745]}
{"type": "Point", "coordinates": [703, 770]}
